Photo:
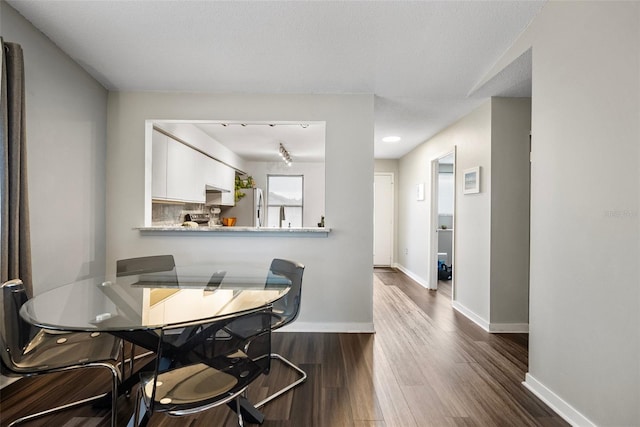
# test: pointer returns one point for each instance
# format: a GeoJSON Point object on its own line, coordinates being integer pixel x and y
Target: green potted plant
{"type": "Point", "coordinates": [242, 183]}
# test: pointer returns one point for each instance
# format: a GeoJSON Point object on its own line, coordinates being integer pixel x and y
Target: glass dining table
{"type": "Point", "coordinates": [149, 301]}
{"type": "Point", "coordinates": [135, 306]}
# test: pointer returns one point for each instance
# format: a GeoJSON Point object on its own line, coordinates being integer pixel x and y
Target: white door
{"type": "Point", "coordinates": [442, 237]}
{"type": "Point", "coordinates": [383, 219]}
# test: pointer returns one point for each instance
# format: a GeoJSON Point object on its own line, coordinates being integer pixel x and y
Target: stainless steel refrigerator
{"type": "Point", "coordinates": [249, 210]}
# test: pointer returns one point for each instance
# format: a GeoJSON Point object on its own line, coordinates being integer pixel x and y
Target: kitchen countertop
{"type": "Point", "coordinates": [309, 231]}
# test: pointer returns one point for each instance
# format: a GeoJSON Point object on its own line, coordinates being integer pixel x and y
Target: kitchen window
{"type": "Point", "coordinates": [284, 200]}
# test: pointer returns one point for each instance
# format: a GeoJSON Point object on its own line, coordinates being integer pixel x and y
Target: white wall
{"type": "Point", "coordinates": [584, 345]}
{"type": "Point", "coordinates": [337, 291]}
{"type": "Point", "coordinates": [471, 137]}
{"type": "Point", "coordinates": [66, 132]}
{"type": "Point", "coordinates": [314, 191]}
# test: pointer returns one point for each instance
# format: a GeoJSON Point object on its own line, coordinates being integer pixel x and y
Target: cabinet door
{"type": "Point", "coordinates": [213, 172]}
{"type": "Point", "coordinates": [159, 166]}
{"type": "Point", "coordinates": [221, 176]}
{"type": "Point", "coordinates": [228, 183]}
{"type": "Point", "coordinates": [185, 173]}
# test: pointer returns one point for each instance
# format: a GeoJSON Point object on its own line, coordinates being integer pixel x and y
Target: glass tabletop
{"type": "Point", "coordinates": [152, 300]}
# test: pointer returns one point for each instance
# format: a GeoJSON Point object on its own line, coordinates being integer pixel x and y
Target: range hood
{"type": "Point", "coordinates": [213, 189]}
{"type": "Point", "coordinates": [213, 195]}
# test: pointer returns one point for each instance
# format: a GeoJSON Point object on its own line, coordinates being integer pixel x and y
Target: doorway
{"type": "Point", "coordinates": [443, 222]}
{"type": "Point", "coordinates": [383, 202]}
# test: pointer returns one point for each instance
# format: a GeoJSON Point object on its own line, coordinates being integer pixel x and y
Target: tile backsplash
{"type": "Point", "coordinates": [173, 213]}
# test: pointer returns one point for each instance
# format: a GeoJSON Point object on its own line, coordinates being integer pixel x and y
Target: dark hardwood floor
{"type": "Point", "coordinates": [427, 365]}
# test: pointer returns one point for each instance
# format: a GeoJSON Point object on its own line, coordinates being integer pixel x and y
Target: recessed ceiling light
{"type": "Point", "coordinates": [391, 139]}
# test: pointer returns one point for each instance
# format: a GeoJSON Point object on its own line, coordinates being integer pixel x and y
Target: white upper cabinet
{"type": "Point", "coordinates": [181, 173]}
{"type": "Point", "coordinates": [185, 173]}
{"type": "Point", "coordinates": [228, 183]}
{"type": "Point", "coordinates": [213, 172]}
{"type": "Point", "coordinates": [159, 165]}
{"type": "Point", "coordinates": [221, 177]}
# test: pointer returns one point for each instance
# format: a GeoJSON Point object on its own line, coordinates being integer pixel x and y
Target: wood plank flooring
{"type": "Point", "coordinates": [427, 365]}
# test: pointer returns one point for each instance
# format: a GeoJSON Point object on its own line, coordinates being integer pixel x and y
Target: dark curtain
{"type": "Point", "coordinates": [15, 250]}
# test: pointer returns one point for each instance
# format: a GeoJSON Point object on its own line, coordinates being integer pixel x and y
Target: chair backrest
{"type": "Point", "coordinates": [287, 308]}
{"type": "Point", "coordinates": [237, 347]}
{"type": "Point", "coordinates": [15, 332]}
{"type": "Point", "coordinates": [147, 264]}
{"type": "Point", "coordinates": [26, 349]}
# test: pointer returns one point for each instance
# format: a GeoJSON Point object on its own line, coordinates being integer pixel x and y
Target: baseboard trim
{"type": "Point", "coordinates": [555, 402]}
{"type": "Point", "coordinates": [509, 328]}
{"type": "Point", "coordinates": [470, 315]}
{"type": "Point", "coordinates": [493, 328]}
{"type": "Point", "coordinates": [333, 327]}
{"type": "Point", "coordinates": [413, 276]}
{"type": "Point", "coordinates": [5, 381]}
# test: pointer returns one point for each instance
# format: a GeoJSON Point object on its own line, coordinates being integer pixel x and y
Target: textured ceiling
{"type": "Point", "coordinates": [421, 59]}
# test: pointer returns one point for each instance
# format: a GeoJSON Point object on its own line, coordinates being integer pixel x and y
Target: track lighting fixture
{"type": "Point", "coordinates": [302, 125]}
{"type": "Point", "coordinates": [286, 157]}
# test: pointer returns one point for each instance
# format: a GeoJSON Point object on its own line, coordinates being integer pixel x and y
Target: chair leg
{"type": "Point", "coordinates": [114, 395]}
{"type": "Point", "coordinates": [136, 408]}
{"type": "Point", "coordinates": [303, 378]}
{"type": "Point", "coordinates": [114, 399]}
{"type": "Point", "coordinates": [132, 358]}
{"type": "Point", "coordinates": [133, 354]}
{"type": "Point", "coordinates": [239, 411]}
{"type": "Point", "coordinates": [56, 409]}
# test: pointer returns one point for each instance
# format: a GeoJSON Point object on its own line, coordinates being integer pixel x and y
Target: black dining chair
{"type": "Point", "coordinates": [285, 311]}
{"type": "Point", "coordinates": [144, 265]}
{"type": "Point", "coordinates": [201, 365]}
{"type": "Point", "coordinates": [28, 350]}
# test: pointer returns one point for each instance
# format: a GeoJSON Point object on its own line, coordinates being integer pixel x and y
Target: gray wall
{"type": "Point", "coordinates": [337, 291]}
{"type": "Point", "coordinates": [314, 179]}
{"type": "Point", "coordinates": [471, 138]}
{"type": "Point", "coordinates": [66, 133]}
{"type": "Point", "coordinates": [510, 126]}
{"type": "Point", "coordinates": [584, 345]}
{"type": "Point", "coordinates": [491, 247]}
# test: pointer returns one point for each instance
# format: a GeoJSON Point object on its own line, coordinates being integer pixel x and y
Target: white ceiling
{"type": "Point", "coordinates": [421, 59]}
{"type": "Point", "coordinates": [261, 141]}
